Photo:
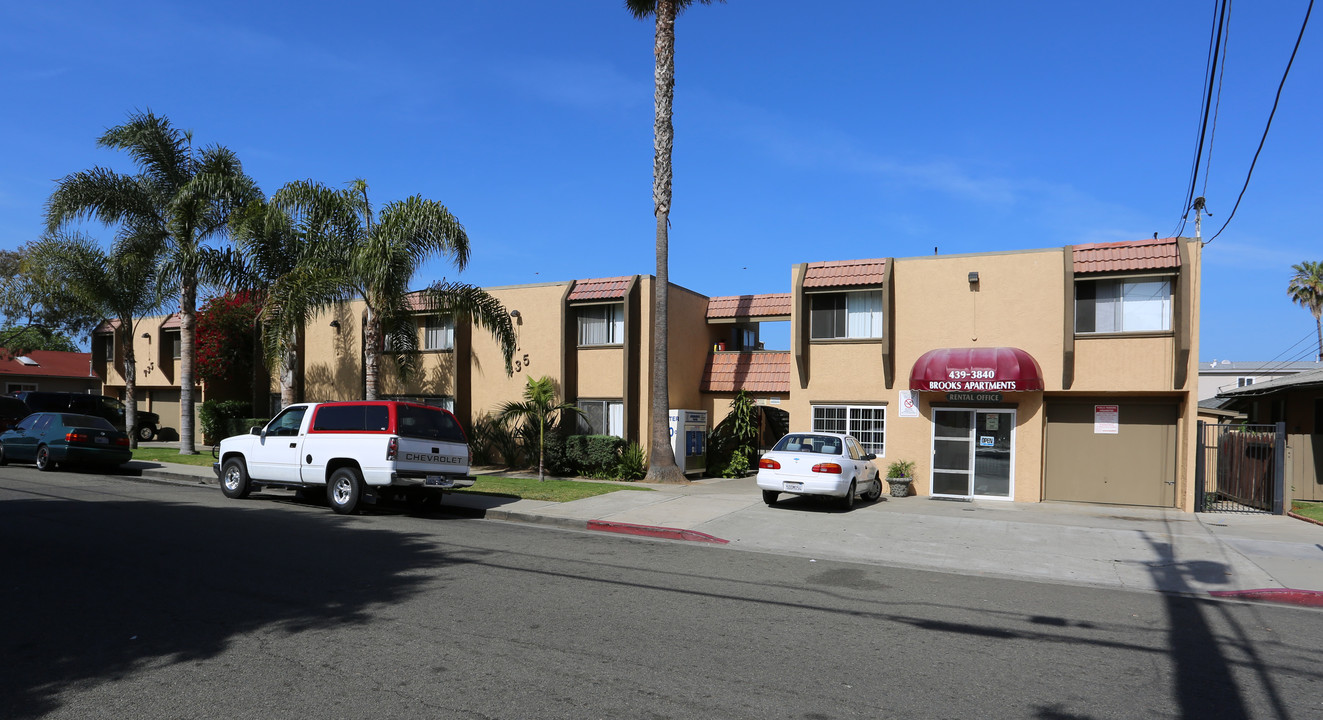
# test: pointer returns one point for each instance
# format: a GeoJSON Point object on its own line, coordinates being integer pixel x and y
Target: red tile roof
{"type": "Point", "coordinates": [50, 363]}
{"type": "Point", "coordinates": [107, 326]}
{"type": "Point", "coordinates": [749, 306]}
{"type": "Point", "coordinates": [171, 322]}
{"type": "Point", "coordinates": [751, 371]}
{"type": "Point", "coordinates": [840, 273]}
{"type": "Point", "coordinates": [600, 289]}
{"type": "Point", "coordinates": [1154, 254]}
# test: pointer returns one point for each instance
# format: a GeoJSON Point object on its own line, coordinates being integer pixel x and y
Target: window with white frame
{"type": "Point", "coordinates": [834, 316]}
{"type": "Point", "coordinates": [11, 388]}
{"type": "Point", "coordinates": [602, 324]}
{"type": "Point", "coordinates": [602, 417]}
{"type": "Point", "coordinates": [438, 333]}
{"type": "Point", "coordinates": [1120, 305]}
{"type": "Point", "coordinates": [1243, 381]}
{"type": "Point", "coordinates": [866, 423]}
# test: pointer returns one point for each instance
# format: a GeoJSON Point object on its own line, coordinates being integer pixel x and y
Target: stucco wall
{"type": "Point", "coordinates": [539, 332]}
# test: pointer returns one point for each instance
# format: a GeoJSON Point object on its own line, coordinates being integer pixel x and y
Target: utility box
{"type": "Point", "coordinates": [689, 440]}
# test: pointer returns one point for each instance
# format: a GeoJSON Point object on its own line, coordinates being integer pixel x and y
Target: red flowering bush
{"type": "Point", "coordinates": [225, 344]}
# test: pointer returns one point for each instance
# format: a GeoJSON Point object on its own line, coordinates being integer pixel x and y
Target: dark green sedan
{"type": "Point", "coordinates": [50, 438]}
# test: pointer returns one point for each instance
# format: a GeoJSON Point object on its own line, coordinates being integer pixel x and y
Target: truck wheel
{"type": "Point", "coordinates": [145, 434]}
{"type": "Point", "coordinates": [345, 490]}
{"type": "Point", "coordinates": [234, 479]}
{"type": "Point", "coordinates": [3, 460]}
{"type": "Point", "coordinates": [44, 461]}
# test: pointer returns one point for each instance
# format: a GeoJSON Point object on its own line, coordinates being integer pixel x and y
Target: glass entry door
{"type": "Point", "coordinates": [973, 452]}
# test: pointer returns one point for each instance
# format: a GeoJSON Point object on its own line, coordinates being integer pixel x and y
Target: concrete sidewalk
{"type": "Point", "coordinates": [1099, 545]}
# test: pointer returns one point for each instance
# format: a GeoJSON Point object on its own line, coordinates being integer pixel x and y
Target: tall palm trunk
{"type": "Point", "coordinates": [1318, 324]}
{"type": "Point", "coordinates": [661, 464]}
{"type": "Point", "coordinates": [371, 354]}
{"type": "Point", "coordinates": [125, 338]}
{"type": "Point", "coordinates": [188, 300]}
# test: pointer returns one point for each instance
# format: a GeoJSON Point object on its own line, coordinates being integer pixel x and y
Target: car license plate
{"type": "Point", "coordinates": [439, 481]}
{"type": "Point", "coordinates": [794, 486]}
{"type": "Point", "coordinates": [102, 441]}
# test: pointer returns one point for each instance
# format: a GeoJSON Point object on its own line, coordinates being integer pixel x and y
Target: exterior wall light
{"type": "Point", "coordinates": [973, 278]}
{"type": "Point", "coordinates": [336, 324]}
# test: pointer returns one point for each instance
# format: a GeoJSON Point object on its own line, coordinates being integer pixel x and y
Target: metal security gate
{"type": "Point", "coordinates": [1240, 468]}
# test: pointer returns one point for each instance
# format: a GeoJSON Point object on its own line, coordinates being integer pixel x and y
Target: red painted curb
{"type": "Point", "coordinates": [654, 531]}
{"type": "Point", "coordinates": [1302, 517]}
{"type": "Point", "coordinates": [1308, 598]}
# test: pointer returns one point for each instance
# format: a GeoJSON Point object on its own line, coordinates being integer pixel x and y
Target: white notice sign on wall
{"type": "Point", "coordinates": [1106, 419]}
{"type": "Point", "coordinates": [909, 403]}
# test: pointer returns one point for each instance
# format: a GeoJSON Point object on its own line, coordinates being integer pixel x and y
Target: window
{"type": "Point", "coordinates": [20, 387]}
{"type": "Point", "coordinates": [351, 418]}
{"type": "Point", "coordinates": [287, 423]}
{"type": "Point", "coordinates": [867, 424]}
{"type": "Point", "coordinates": [846, 315]}
{"type": "Point", "coordinates": [175, 345]}
{"type": "Point", "coordinates": [427, 423]}
{"type": "Point", "coordinates": [438, 333]}
{"type": "Point", "coordinates": [108, 348]}
{"type": "Point", "coordinates": [1107, 306]}
{"type": "Point", "coordinates": [1243, 381]}
{"type": "Point", "coordinates": [602, 417]}
{"type": "Point", "coordinates": [602, 324]}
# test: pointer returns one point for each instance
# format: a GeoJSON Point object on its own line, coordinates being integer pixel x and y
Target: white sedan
{"type": "Point", "coordinates": [817, 463]}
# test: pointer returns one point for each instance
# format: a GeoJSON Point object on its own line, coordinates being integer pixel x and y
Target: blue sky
{"type": "Point", "coordinates": [804, 132]}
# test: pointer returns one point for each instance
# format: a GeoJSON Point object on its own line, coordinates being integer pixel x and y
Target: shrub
{"type": "Point", "coordinates": [555, 458]}
{"type": "Point", "coordinates": [633, 463]}
{"type": "Point", "coordinates": [215, 416]}
{"type": "Point", "coordinates": [492, 442]}
{"type": "Point", "coordinates": [241, 425]}
{"type": "Point", "coordinates": [595, 456]}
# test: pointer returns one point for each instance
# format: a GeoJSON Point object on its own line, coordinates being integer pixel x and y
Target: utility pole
{"type": "Point", "coordinates": [1199, 207]}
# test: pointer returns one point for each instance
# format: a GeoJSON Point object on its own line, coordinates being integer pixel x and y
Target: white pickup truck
{"type": "Point", "coordinates": [358, 450]}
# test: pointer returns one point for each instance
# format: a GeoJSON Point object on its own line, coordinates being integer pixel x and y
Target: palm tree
{"type": "Point", "coordinates": [375, 258]}
{"type": "Point", "coordinates": [539, 408]}
{"type": "Point", "coordinates": [1306, 290]}
{"type": "Point", "coordinates": [279, 263]}
{"type": "Point", "coordinates": [180, 199]}
{"type": "Point", "coordinates": [119, 285]}
{"type": "Point", "coordinates": [661, 463]}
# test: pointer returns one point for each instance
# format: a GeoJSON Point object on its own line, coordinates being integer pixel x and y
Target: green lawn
{"type": "Point", "coordinates": [553, 490]}
{"type": "Point", "coordinates": [1311, 510]}
{"type": "Point", "coordinates": [171, 455]}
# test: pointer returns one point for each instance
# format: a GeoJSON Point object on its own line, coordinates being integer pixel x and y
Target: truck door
{"type": "Point", "coordinates": [275, 457]}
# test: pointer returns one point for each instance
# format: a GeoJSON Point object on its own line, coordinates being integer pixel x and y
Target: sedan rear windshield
{"type": "Point", "coordinates": [86, 421]}
{"type": "Point", "coordinates": [824, 444]}
{"type": "Point", "coordinates": [427, 423]}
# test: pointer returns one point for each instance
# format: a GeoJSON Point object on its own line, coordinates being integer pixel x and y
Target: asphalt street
{"type": "Point", "coordinates": [125, 599]}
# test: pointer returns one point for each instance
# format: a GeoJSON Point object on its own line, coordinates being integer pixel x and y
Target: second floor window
{"type": "Point", "coordinates": [846, 315]}
{"type": "Point", "coordinates": [108, 345]}
{"type": "Point", "coordinates": [438, 333]}
{"type": "Point", "coordinates": [1118, 305]}
{"type": "Point", "coordinates": [602, 324]}
{"type": "Point", "coordinates": [175, 345]}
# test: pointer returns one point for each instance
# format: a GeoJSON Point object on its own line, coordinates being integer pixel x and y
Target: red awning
{"type": "Point", "coordinates": [990, 369]}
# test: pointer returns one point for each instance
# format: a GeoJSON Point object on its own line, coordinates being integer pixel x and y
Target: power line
{"type": "Point", "coordinates": [1268, 126]}
{"type": "Point", "coordinates": [1214, 36]}
{"type": "Point", "coordinates": [1217, 106]}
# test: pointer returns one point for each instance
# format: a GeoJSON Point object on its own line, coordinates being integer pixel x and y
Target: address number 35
{"type": "Point", "coordinates": [520, 364]}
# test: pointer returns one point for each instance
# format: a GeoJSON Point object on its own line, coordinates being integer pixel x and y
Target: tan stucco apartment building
{"type": "Point", "coordinates": [1065, 374]}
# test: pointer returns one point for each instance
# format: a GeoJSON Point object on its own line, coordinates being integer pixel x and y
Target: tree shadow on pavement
{"type": "Point", "coordinates": [92, 591]}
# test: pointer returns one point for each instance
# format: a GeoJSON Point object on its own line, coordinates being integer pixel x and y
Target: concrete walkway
{"type": "Point", "coordinates": [1255, 556]}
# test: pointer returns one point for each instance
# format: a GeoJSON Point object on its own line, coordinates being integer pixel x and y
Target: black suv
{"type": "Point", "coordinates": [98, 405]}
{"type": "Point", "coordinates": [11, 411]}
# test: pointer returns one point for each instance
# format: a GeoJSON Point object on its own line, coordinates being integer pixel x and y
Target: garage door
{"type": "Point", "coordinates": [1135, 465]}
{"type": "Point", "coordinates": [166, 404]}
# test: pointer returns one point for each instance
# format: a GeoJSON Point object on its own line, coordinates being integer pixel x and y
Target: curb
{"type": "Point", "coordinates": [654, 531]}
{"type": "Point", "coordinates": [1285, 596]}
{"type": "Point", "coordinates": [1302, 517]}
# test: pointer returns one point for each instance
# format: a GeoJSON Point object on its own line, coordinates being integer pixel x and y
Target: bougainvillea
{"type": "Point", "coordinates": [225, 345]}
